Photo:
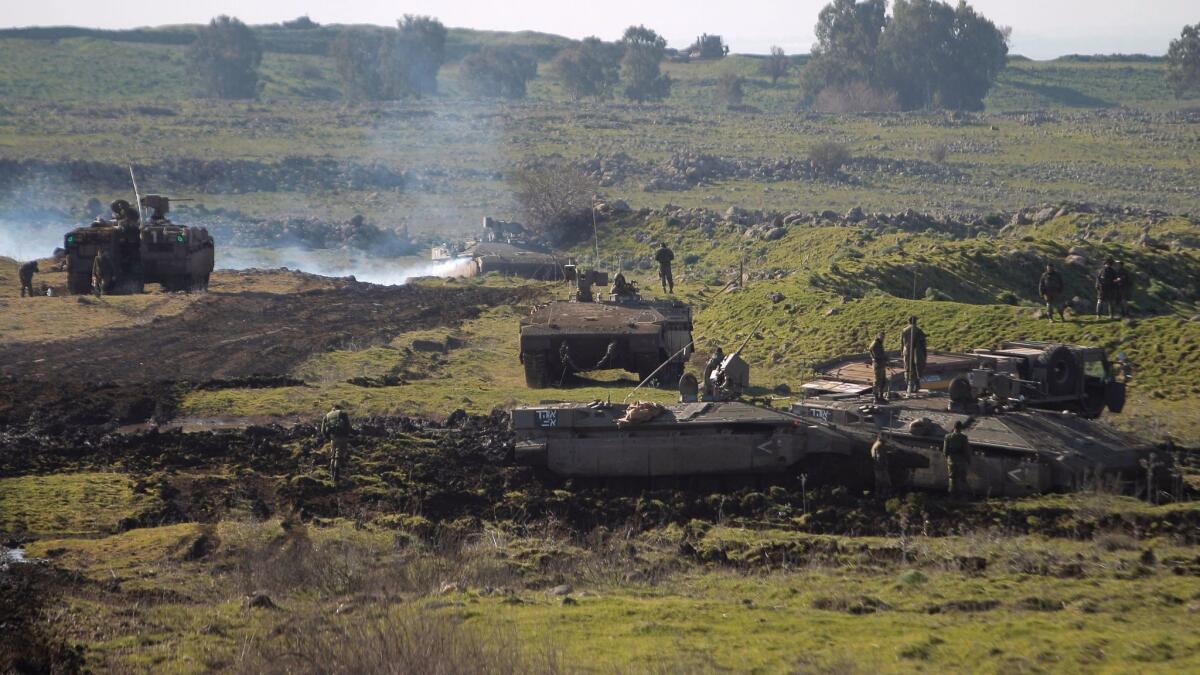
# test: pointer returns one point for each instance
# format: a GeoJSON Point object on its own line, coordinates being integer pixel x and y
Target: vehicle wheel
{"type": "Point", "coordinates": [537, 371]}
{"type": "Point", "coordinates": [1062, 370]}
{"type": "Point", "coordinates": [1091, 407]}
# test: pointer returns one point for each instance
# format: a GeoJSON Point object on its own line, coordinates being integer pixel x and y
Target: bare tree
{"type": "Point", "coordinates": [555, 199]}
{"type": "Point", "coordinates": [730, 89]}
{"type": "Point", "coordinates": [776, 65]}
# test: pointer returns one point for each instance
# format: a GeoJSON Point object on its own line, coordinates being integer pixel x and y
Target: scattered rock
{"type": "Point", "coordinates": [259, 600]}
{"type": "Point", "coordinates": [568, 601]}
{"type": "Point", "coordinates": [561, 589]}
{"type": "Point", "coordinates": [448, 588]}
{"type": "Point", "coordinates": [776, 297]}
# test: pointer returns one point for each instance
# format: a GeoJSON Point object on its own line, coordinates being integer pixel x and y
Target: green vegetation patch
{"type": "Point", "coordinates": [74, 504]}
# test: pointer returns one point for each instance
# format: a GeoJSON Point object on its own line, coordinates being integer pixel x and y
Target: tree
{"type": "Point", "coordinates": [848, 34]}
{"type": "Point", "coordinates": [497, 72]}
{"type": "Point", "coordinates": [588, 69]}
{"type": "Point", "coordinates": [708, 47]}
{"type": "Point", "coordinates": [422, 48]}
{"type": "Point", "coordinates": [301, 23]}
{"type": "Point", "coordinates": [385, 65]}
{"type": "Point", "coordinates": [644, 51]}
{"type": "Point", "coordinates": [729, 89]}
{"type": "Point", "coordinates": [555, 199]}
{"type": "Point", "coordinates": [928, 52]}
{"type": "Point", "coordinates": [226, 56]}
{"type": "Point", "coordinates": [776, 65]}
{"type": "Point", "coordinates": [933, 54]}
{"type": "Point", "coordinates": [1183, 61]}
{"type": "Point", "coordinates": [828, 157]}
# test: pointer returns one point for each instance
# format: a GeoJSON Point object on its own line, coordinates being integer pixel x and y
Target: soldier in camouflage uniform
{"type": "Point", "coordinates": [335, 429]}
{"type": "Point", "coordinates": [1050, 287]}
{"type": "Point", "coordinates": [912, 348]}
{"type": "Point", "coordinates": [102, 273]}
{"type": "Point", "coordinates": [25, 274]}
{"type": "Point", "coordinates": [879, 364]}
{"type": "Point", "coordinates": [714, 362]}
{"type": "Point", "coordinates": [881, 460]}
{"type": "Point", "coordinates": [958, 457]}
{"type": "Point", "coordinates": [664, 256]}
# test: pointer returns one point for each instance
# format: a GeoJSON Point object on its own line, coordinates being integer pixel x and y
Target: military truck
{"type": "Point", "coordinates": [1047, 375]}
{"type": "Point", "coordinates": [152, 251]}
{"type": "Point", "coordinates": [647, 337]}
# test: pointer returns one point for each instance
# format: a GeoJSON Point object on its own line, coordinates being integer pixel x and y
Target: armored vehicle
{"type": "Point", "coordinates": [510, 259]}
{"type": "Point", "coordinates": [152, 251]}
{"type": "Point", "coordinates": [1015, 450]}
{"type": "Point", "coordinates": [1049, 375]}
{"type": "Point", "coordinates": [728, 439]}
{"type": "Point", "coordinates": [647, 337]}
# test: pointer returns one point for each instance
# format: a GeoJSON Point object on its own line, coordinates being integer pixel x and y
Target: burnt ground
{"type": "Point", "coordinates": [243, 334]}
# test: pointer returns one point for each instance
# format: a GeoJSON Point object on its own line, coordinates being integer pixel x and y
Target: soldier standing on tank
{"type": "Point", "coordinates": [25, 274]}
{"type": "Point", "coordinates": [714, 363]}
{"type": "Point", "coordinates": [912, 347]}
{"type": "Point", "coordinates": [957, 449]}
{"type": "Point", "coordinates": [102, 273]}
{"type": "Point", "coordinates": [1107, 290]}
{"type": "Point", "coordinates": [879, 365]}
{"type": "Point", "coordinates": [335, 429]}
{"type": "Point", "coordinates": [1050, 287]}
{"type": "Point", "coordinates": [664, 256]}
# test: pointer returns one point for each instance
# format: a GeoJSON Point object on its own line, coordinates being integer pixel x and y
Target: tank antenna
{"type": "Point", "coordinates": [136, 197]}
{"type": "Point", "coordinates": [660, 367]}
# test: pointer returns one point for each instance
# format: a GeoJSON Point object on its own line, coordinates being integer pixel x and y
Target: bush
{"type": "Point", "coordinates": [729, 89]}
{"type": "Point", "coordinates": [855, 97]}
{"type": "Point", "coordinates": [828, 157]}
{"type": "Point", "coordinates": [640, 70]}
{"type": "Point", "coordinates": [555, 199]}
{"type": "Point", "coordinates": [226, 56]}
{"type": "Point", "coordinates": [938, 152]}
{"type": "Point", "coordinates": [385, 65]}
{"type": "Point", "coordinates": [301, 23]}
{"type": "Point", "coordinates": [497, 72]}
{"type": "Point", "coordinates": [588, 70]}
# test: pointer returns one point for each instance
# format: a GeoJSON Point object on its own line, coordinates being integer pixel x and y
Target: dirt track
{"type": "Point", "coordinates": [238, 335]}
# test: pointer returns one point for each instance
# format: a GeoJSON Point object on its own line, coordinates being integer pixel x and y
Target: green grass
{"type": "Point", "coordinates": [76, 504]}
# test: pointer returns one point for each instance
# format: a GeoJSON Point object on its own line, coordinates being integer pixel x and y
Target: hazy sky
{"type": "Point", "coordinates": [1041, 28]}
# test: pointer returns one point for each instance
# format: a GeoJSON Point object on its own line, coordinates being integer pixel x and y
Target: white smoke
{"type": "Point", "coordinates": [21, 241]}
{"type": "Point", "coordinates": [338, 263]}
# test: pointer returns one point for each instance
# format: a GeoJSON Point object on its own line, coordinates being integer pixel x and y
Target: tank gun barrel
{"type": "Point", "coordinates": [738, 351]}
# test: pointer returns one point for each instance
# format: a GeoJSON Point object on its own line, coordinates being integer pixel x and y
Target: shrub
{"type": "Point", "coordinates": [729, 89]}
{"type": "Point", "coordinates": [556, 200]}
{"type": "Point", "coordinates": [588, 69]}
{"type": "Point", "coordinates": [640, 70]}
{"type": "Point", "coordinates": [226, 56]}
{"type": "Point", "coordinates": [776, 65]}
{"type": "Point", "coordinates": [938, 151]}
{"type": "Point", "coordinates": [497, 72]}
{"type": "Point", "coordinates": [828, 157]}
{"type": "Point", "coordinates": [855, 97]}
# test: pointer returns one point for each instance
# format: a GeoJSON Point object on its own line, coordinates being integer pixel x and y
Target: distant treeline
{"type": "Point", "coordinates": [281, 39]}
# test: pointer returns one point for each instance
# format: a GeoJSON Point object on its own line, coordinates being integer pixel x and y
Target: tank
{"type": "Point", "coordinates": [1015, 450]}
{"type": "Point", "coordinates": [726, 439]}
{"type": "Point", "coordinates": [643, 336]}
{"type": "Point", "coordinates": [154, 251]}
{"type": "Point", "coordinates": [1048, 375]}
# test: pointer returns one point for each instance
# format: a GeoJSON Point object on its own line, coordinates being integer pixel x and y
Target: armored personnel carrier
{"type": "Point", "coordinates": [1048, 375]}
{"type": "Point", "coordinates": [647, 337]}
{"type": "Point", "coordinates": [719, 438]}
{"type": "Point", "coordinates": [152, 251]}
{"type": "Point", "coordinates": [1015, 450]}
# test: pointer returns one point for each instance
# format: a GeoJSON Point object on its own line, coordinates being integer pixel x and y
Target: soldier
{"type": "Point", "coordinates": [958, 456]}
{"type": "Point", "coordinates": [25, 274]}
{"type": "Point", "coordinates": [102, 273]}
{"type": "Point", "coordinates": [1107, 290]}
{"type": "Point", "coordinates": [123, 212]}
{"type": "Point", "coordinates": [881, 459]}
{"type": "Point", "coordinates": [714, 362]}
{"type": "Point", "coordinates": [879, 364]}
{"type": "Point", "coordinates": [912, 346]}
{"type": "Point", "coordinates": [621, 288]}
{"type": "Point", "coordinates": [335, 428]}
{"type": "Point", "coordinates": [1124, 282]}
{"type": "Point", "coordinates": [1050, 287]}
{"type": "Point", "coordinates": [664, 256]}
